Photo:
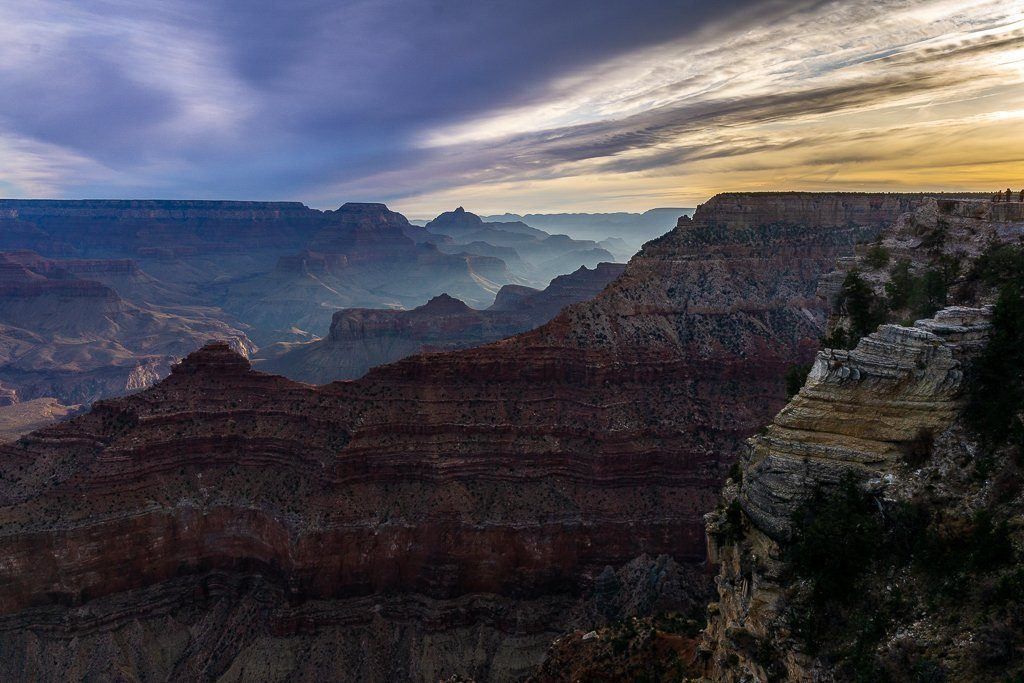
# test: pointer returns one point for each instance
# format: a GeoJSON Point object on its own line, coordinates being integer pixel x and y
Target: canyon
{"type": "Point", "coordinates": [536, 255]}
{"type": "Point", "coordinates": [67, 337]}
{"type": "Point", "coordinates": [101, 297]}
{"type": "Point", "coordinates": [362, 338]}
{"type": "Point", "coordinates": [449, 514]}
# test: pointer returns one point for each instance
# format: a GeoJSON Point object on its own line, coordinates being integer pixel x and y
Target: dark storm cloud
{"type": "Point", "coordinates": [310, 89]}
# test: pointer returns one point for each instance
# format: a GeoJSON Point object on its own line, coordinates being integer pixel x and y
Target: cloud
{"type": "Point", "coordinates": [574, 103]}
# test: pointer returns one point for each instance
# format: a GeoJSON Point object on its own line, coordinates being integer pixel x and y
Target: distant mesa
{"type": "Point", "coordinates": [360, 339]}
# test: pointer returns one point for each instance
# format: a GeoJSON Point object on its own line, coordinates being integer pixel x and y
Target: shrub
{"type": "Point", "coordinates": [998, 265]}
{"type": "Point", "coordinates": [919, 449]}
{"type": "Point", "coordinates": [731, 531]}
{"type": "Point", "coordinates": [836, 340]}
{"type": "Point", "coordinates": [920, 295]}
{"type": "Point", "coordinates": [795, 378]}
{"type": "Point", "coordinates": [877, 256]}
{"type": "Point", "coordinates": [859, 303]}
{"type": "Point", "coordinates": [995, 379]}
{"type": "Point", "coordinates": [836, 536]}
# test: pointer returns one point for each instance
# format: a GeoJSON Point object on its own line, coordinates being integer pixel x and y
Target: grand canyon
{"type": "Point", "coordinates": [459, 342]}
{"type": "Point", "coordinates": [450, 513]}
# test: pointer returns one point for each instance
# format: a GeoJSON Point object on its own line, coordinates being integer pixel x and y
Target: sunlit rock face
{"type": "Point", "coordinates": [462, 499]}
{"type": "Point", "coordinates": [859, 409]}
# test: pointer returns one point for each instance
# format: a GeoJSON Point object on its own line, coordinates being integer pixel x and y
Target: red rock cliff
{"type": "Point", "coordinates": [517, 470]}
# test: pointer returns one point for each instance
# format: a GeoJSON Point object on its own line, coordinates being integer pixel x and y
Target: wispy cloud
{"type": "Point", "coordinates": [531, 105]}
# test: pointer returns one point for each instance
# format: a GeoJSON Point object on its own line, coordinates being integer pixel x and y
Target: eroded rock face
{"type": "Point", "coordinates": [888, 415]}
{"type": "Point", "coordinates": [858, 413]}
{"type": "Point", "coordinates": [106, 227]}
{"type": "Point", "coordinates": [736, 209]}
{"type": "Point", "coordinates": [859, 410]}
{"type": "Point", "coordinates": [517, 471]}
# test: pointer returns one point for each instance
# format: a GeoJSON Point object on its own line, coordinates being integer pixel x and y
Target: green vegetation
{"type": "Point", "coordinates": [877, 256]}
{"type": "Point", "coordinates": [836, 538]}
{"type": "Point", "coordinates": [919, 295]}
{"type": "Point", "coordinates": [997, 381]}
{"type": "Point", "coordinates": [867, 566]}
{"type": "Point", "coordinates": [997, 376]}
{"type": "Point", "coordinates": [731, 531]}
{"type": "Point", "coordinates": [908, 297]}
{"type": "Point", "coordinates": [795, 378]}
{"type": "Point", "coordinates": [865, 310]}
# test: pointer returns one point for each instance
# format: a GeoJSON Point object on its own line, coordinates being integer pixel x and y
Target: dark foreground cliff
{"type": "Point", "coordinates": [873, 531]}
{"type": "Point", "coordinates": [446, 514]}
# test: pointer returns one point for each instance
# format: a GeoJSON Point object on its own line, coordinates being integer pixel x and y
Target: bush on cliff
{"type": "Point", "coordinates": [867, 567]}
{"type": "Point", "coordinates": [858, 302]}
{"type": "Point", "coordinates": [796, 376]}
{"type": "Point", "coordinates": [877, 256]}
{"type": "Point", "coordinates": [919, 296]}
{"type": "Point", "coordinates": [996, 379]}
{"type": "Point", "coordinates": [835, 537]}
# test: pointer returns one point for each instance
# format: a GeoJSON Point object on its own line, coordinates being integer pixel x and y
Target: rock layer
{"type": "Point", "coordinates": [887, 414]}
{"type": "Point", "coordinates": [75, 339]}
{"type": "Point", "coordinates": [518, 470]}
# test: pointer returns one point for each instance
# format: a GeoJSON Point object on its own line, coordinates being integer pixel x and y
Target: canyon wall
{"type": "Point", "coordinates": [456, 503]}
{"type": "Point", "coordinates": [869, 532]}
{"type": "Point", "coordinates": [69, 337]}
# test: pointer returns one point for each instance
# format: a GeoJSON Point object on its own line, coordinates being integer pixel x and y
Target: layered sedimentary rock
{"type": "Point", "coordinates": [888, 416]}
{"type": "Point", "coordinates": [860, 409]}
{"type": "Point", "coordinates": [736, 209]}
{"type": "Point", "coordinates": [107, 227]}
{"type": "Point", "coordinates": [361, 255]}
{"type": "Point", "coordinates": [361, 338]}
{"type": "Point", "coordinates": [21, 417]}
{"type": "Point", "coordinates": [460, 499]}
{"type": "Point", "coordinates": [859, 414]}
{"type": "Point", "coordinates": [250, 258]}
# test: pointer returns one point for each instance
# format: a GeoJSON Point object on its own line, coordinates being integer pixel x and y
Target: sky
{"type": "Point", "coordinates": [524, 105]}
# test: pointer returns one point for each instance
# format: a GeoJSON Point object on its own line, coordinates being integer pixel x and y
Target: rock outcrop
{"type": "Point", "coordinates": [876, 445]}
{"type": "Point", "coordinates": [442, 514]}
{"type": "Point", "coordinates": [861, 410]}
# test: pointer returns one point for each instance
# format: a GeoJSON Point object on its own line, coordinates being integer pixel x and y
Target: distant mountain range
{"type": "Point", "coordinates": [101, 297]}
{"type": "Point", "coordinates": [363, 338]}
{"type": "Point", "coordinates": [635, 228]}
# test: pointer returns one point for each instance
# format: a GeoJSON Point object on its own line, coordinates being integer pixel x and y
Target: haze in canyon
{"type": "Point", "coordinates": [459, 341]}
